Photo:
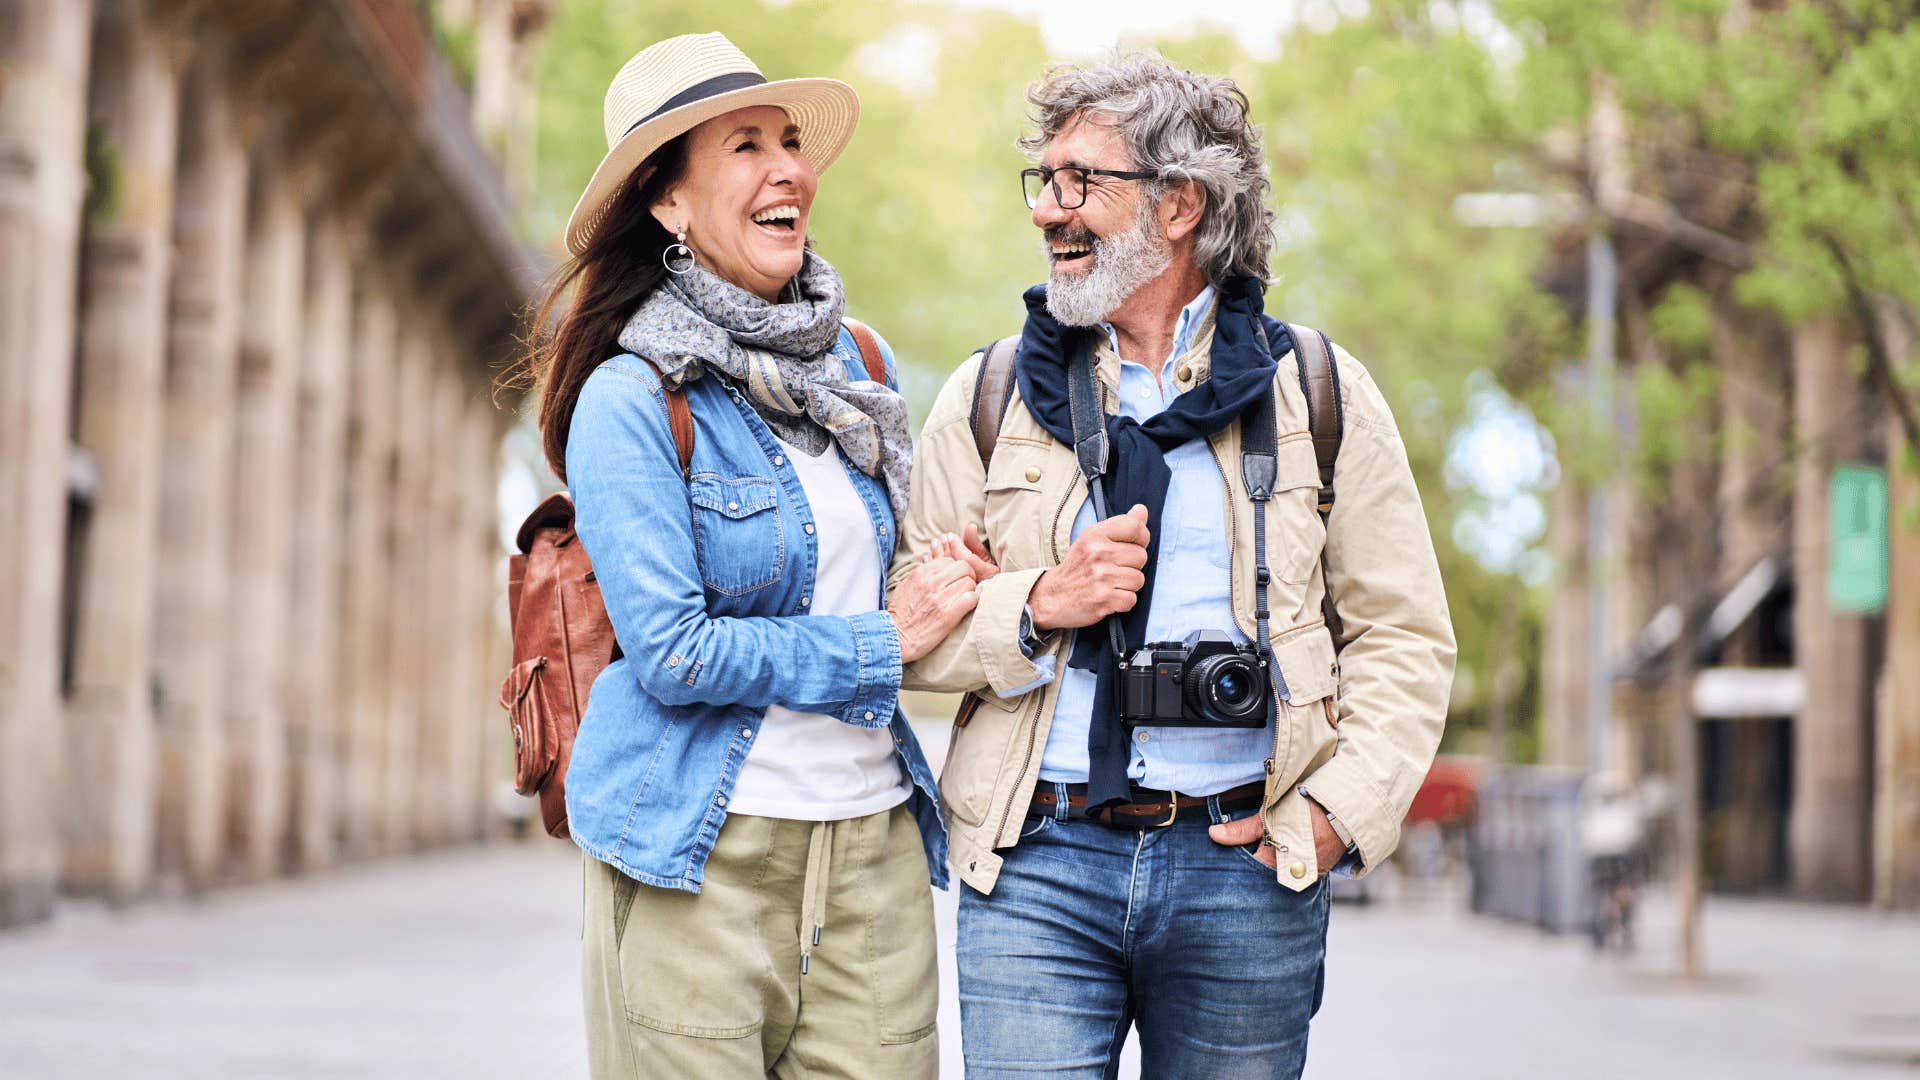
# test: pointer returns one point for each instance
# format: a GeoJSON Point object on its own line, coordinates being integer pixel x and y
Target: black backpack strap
{"type": "Point", "coordinates": [992, 393]}
{"type": "Point", "coordinates": [1326, 420]}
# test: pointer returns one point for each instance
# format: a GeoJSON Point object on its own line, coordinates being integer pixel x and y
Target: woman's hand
{"type": "Point", "coordinates": [969, 549]}
{"type": "Point", "coordinates": [928, 603]}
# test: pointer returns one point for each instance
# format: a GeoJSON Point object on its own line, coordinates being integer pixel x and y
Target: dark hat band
{"type": "Point", "coordinates": [719, 84]}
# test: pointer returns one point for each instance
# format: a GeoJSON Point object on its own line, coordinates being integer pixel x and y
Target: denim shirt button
{"type": "Point", "coordinates": [746, 733]}
{"type": "Point", "coordinates": [733, 506]}
{"type": "Point", "coordinates": [720, 800]}
{"type": "Point", "coordinates": [869, 714]}
{"type": "Point", "coordinates": [805, 600]}
{"type": "Point", "coordinates": [808, 527]}
{"type": "Point", "coordinates": [778, 460]}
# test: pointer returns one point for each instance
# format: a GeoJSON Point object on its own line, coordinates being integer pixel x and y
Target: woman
{"type": "Point", "coordinates": [758, 819]}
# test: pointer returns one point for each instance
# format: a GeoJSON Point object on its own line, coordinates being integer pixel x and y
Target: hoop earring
{"type": "Point", "coordinates": [677, 257]}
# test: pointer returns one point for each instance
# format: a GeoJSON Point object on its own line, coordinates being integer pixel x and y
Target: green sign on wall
{"type": "Point", "coordinates": [1857, 540]}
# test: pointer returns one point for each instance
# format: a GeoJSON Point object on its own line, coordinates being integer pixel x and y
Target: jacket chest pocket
{"type": "Point", "coordinates": [737, 534]}
{"type": "Point", "coordinates": [1022, 499]}
{"type": "Point", "coordinates": [1295, 532]}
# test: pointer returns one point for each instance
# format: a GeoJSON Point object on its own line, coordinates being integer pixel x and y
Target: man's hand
{"type": "Point", "coordinates": [1328, 850]}
{"type": "Point", "coordinates": [1101, 575]}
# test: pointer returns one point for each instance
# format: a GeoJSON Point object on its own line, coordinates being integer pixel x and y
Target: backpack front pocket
{"type": "Point", "coordinates": [737, 535]}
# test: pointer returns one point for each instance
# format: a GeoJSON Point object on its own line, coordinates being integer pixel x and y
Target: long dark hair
{"type": "Point", "coordinates": [619, 268]}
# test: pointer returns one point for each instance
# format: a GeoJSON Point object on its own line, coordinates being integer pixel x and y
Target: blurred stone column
{"type": "Point", "coordinates": [203, 349]}
{"type": "Point", "coordinates": [447, 664]}
{"type": "Point", "coordinates": [410, 554]}
{"type": "Point", "coordinates": [112, 762]}
{"type": "Point", "coordinates": [43, 124]}
{"type": "Point", "coordinates": [367, 604]}
{"type": "Point", "coordinates": [1832, 765]}
{"type": "Point", "coordinates": [489, 630]}
{"type": "Point", "coordinates": [313, 698]}
{"type": "Point", "coordinates": [271, 347]}
{"type": "Point", "coordinates": [479, 723]}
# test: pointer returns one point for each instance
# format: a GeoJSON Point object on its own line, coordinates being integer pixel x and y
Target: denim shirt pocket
{"type": "Point", "coordinates": [737, 534]}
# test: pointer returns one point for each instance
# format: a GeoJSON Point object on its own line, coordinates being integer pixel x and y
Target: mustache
{"type": "Point", "coordinates": [1060, 234]}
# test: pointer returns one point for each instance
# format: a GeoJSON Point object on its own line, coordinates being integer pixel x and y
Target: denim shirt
{"type": "Point", "coordinates": [1189, 593]}
{"type": "Point", "coordinates": [708, 582]}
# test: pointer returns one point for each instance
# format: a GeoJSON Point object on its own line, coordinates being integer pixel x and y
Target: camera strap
{"type": "Point", "coordinates": [1260, 471]}
{"type": "Point", "coordinates": [1090, 452]}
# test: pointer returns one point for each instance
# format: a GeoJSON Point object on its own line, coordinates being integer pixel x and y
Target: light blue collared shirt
{"type": "Point", "coordinates": [1189, 593]}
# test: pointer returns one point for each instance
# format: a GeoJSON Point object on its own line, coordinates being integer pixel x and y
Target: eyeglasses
{"type": "Point", "coordinates": [1069, 183]}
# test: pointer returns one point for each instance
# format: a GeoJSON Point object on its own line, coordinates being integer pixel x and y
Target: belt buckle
{"type": "Point", "coordinates": [1173, 809]}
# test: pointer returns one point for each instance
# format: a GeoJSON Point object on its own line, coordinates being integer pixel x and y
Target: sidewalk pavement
{"type": "Point", "coordinates": [463, 964]}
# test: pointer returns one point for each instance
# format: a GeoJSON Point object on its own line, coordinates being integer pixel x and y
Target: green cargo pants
{"type": "Point", "coordinates": [808, 953]}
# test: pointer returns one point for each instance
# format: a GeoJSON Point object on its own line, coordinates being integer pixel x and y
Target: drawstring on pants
{"type": "Point", "coordinates": [813, 894]}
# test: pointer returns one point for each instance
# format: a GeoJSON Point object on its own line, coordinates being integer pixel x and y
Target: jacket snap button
{"type": "Point", "coordinates": [1183, 372]}
{"type": "Point", "coordinates": [1033, 476]}
{"type": "Point", "coordinates": [1298, 870]}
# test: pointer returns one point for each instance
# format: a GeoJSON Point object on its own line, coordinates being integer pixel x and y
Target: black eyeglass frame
{"type": "Point", "coordinates": [1046, 176]}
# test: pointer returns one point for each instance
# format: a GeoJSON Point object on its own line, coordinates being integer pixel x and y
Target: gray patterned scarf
{"type": "Point", "coordinates": [781, 356]}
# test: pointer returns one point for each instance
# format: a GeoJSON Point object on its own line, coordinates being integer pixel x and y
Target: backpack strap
{"type": "Point", "coordinates": [679, 421]}
{"type": "Point", "coordinates": [869, 349]}
{"type": "Point", "coordinates": [992, 393]}
{"type": "Point", "coordinates": [1326, 420]}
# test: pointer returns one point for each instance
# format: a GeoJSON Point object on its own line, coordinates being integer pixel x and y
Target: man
{"type": "Point", "coordinates": [1160, 861]}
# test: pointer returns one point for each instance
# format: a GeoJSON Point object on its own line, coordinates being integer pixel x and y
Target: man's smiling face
{"type": "Point", "coordinates": [1103, 250]}
{"type": "Point", "coordinates": [1112, 205]}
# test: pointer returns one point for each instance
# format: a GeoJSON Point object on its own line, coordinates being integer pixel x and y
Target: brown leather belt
{"type": "Point", "coordinates": [1144, 812]}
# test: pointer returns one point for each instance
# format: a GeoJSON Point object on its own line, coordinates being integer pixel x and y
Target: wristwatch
{"type": "Point", "coordinates": [1031, 641]}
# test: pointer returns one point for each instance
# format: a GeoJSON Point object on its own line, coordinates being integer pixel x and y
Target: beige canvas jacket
{"type": "Point", "coordinates": [1359, 731]}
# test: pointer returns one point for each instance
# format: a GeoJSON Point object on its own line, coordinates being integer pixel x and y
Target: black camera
{"type": "Point", "coordinates": [1204, 681]}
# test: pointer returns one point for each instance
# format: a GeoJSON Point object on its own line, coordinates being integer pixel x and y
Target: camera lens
{"type": "Point", "coordinates": [1227, 687]}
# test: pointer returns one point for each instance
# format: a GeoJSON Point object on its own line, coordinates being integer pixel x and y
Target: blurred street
{"type": "Point", "coordinates": [462, 964]}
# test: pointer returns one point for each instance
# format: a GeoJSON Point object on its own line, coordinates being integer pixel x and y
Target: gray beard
{"type": "Point", "coordinates": [1121, 264]}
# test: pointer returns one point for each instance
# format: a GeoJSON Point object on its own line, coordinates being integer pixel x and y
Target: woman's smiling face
{"type": "Point", "coordinates": [744, 198]}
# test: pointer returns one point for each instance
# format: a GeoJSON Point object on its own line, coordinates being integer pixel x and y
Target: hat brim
{"type": "Point", "coordinates": [826, 111]}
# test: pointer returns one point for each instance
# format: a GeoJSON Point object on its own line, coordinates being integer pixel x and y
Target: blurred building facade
{"type": "Point", "coordinates": [257, 273]}
{"type": "Point", "coordinates": [1793, 712]}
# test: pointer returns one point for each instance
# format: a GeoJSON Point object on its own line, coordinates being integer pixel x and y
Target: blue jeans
{"type": "Point", "coordinates": [1091, 929]}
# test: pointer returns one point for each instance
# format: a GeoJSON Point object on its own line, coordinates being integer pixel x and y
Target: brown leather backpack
{"type": "Point", "coordinates": [562, 638]}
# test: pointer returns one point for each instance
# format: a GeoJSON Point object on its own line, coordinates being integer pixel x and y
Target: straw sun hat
{"type": "Point", "coordinates": [670, 87]}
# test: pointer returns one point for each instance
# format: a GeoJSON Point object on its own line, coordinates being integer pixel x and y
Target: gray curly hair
{"type": "Point", "coordinates": [1183, 126]}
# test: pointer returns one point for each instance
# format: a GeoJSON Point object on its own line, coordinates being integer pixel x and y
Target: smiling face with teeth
{"type": "Point", "coordinates": [744, 199]}
{"type": "Point", "coordinates": [1102, 251]}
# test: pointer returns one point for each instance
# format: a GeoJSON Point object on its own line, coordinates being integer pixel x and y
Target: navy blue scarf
{"type": "Point", "coordinates": [1243, 370]}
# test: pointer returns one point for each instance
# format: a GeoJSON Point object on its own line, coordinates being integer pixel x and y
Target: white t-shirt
{"type": "Point", "coordinates": [810, 766]}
